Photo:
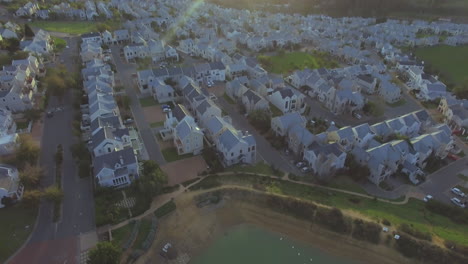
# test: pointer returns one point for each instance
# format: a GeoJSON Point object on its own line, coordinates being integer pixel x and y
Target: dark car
{"type": "Point", "coordinates": [50, 114]}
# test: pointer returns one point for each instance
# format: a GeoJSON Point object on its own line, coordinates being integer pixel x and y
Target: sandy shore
{"type": "Point", "coordinates": [191, 230]}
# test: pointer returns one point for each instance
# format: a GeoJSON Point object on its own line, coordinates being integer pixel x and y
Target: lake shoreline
{"type": "Point", "coordinates": [193, 230]}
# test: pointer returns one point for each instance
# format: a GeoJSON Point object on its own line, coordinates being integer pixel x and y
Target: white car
{"type": "Point", "coordinates": [458, 192]}
{"type": "Point", "coordinates": [457, 202]}
{"type": "Point", "coordinates": [166, 110]}
{"type": "Point", "coordinates": [427, 198]}
{"type": "Point", "coordinates": [305, 169]}
{"type": "Point", "coordinates": [299, 164]}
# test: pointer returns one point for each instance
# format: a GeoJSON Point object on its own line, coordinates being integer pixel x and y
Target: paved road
{"type": "Point", "coordinates": [124, 72]}
{"type": "Point", "coordinates": [264, 150]}
{"type": "Point", "coordinates": [440, 182]}
{"type": "Point", "coordinates": [59, 242]}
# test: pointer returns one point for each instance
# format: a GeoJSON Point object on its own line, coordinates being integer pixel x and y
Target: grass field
{"type": "Point", "coordinates": [148, 101]}
{"type": "Point", "coordinates": [120, 235]}
{"type": "Point", "coordinates": [145, 226]}
{"type": "Point", "coordinates": [170, 155]}
{"type": "Point", "coordinates": [451, 62]}
{"type": "Point", "coordinates": [16, 223]}
{"type": "Point", "coordinates": [413, 212]}
{"type": "Point", "coordinates": [59, 44]}
{"type": "Point", "coordinates": [73, 27]}
{"type": "Point", "coordinates": [289, 62]}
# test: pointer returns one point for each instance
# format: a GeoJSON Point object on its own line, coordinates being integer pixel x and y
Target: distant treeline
{"type": "Point", "coordinates": [365, 8]}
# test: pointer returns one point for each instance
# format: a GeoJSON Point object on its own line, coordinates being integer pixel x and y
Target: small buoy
{"type": "Point", "coordinates": [298, 254]}
{"type": "Point", "coordinates": [292, 247]}
{"type": "Point", "coordinates": [310, 259]}
{"type": "Point", "coordinates": [281, 238]}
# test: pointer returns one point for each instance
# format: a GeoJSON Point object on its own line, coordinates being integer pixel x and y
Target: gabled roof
{"type": "Point", "coordinates": [326, 149]}
{"type": "Point", "coordinates": [290, 119]}
{"type": "Point", "coordinates": [123, 158]}
{"type": "Point", "coordinates": [180, 112]}
{"type": "Point", "coordinates": [252, 96]}
{"type": "Point", "coordinates": [362, 130]}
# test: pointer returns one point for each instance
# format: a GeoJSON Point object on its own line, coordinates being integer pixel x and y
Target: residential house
{"type": "Point", "coordinates": [109, 139]}
{"type": "Point", "coordinates": [236, 147]}
{"type": "Point", "coordinates": [91, 37]}
{"type": "Point", "coordinates": [299, 138]}
{"type": "Point", "coordinates": [288, 100]}
{"type": "Point", "coordinates": [367, 83]}
{"type": "Point", "coordinates": [362, 135]}
{"type": "Point", "coordinates": [188, 138]}
{"type": "Point", "coordinates": [383, 162]}
{"type": "Point", "coordinates": [325, 159]}
{"type": "Point", "coordinates": [162, 92]}
{"type": "Point", "coordinates": [253, 101]}
{"type": "Point", "coordinates": [116, 169]}
{"type": "Point", "coordinates": [281, 125]}
{"type": "Point", "coordinates": [8, 136]}
{"type": "Point", "coordinates": [10, 185]}
{"type": "Point", "coordinates": [206, 110]}
{"type": "Point", "coordinates": [235, 89]}
{"type": "Point", "coordinates": [389, 92]}
{"type": "Point", "coordinates": [344, 136]}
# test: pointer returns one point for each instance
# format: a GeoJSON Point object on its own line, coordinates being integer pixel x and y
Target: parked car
{"type": "Point", "coordinates": [165, 106]}
{"type": "Point", "coordinates": [166, 110]}
{"type": "Point", "coordinates": [305, 169]}
{"type": "Point", "coordinates": [50, 114]}
{"type": "Point", "coordinates": [128, 121]}
{"type": "Point", "coordinates": [457, 202]}
{"type": "Point", "coordinates": [358, 116]}
{"type": "Point", "coordinates": [300, 164]}
{"type": "Point", "coordinates": [427, 198]}
{"type": "Point", "coordinates": [458, 192]}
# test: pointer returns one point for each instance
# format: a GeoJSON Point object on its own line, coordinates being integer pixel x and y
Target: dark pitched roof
{"type": "Point", "coordinates": [123, 157]}
{"type": "Point", "coordinates": [180, 112]}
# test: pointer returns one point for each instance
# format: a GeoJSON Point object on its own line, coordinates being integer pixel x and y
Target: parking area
{"type": "Point", "coordinates": [154, 114]}
{"type": "Point", "coordinates": [440, 183]}
{"type": "Point", "coordinates": [178, 172]}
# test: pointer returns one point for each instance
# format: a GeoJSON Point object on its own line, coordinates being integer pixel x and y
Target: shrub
{"type": "Point", "coordinates": [415, 233]}
{"type": "Point", "coordinates": [333, 219]}
{"type": "Point", "coordinates": [457, 215]}
{"type": "Point", "coordinates": [386, 222]}
{"type": "Point", "coordinates": [368, 231]}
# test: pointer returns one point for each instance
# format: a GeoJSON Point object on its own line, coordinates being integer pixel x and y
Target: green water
{"type": "Point", "coordinates": [247, 244]}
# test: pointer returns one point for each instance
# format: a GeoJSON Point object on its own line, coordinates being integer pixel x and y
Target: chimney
{"type": "Point", "coordinates": [121, 160]}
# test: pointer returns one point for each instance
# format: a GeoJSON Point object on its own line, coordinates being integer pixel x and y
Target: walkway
{"type": "Point", "coordinates": [163, 199]}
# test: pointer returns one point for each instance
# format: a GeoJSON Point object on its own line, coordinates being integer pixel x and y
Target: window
{"type": "Point", "coordinates": [248, 149]}
{"type": "Point", "coordinates": [253, 148]}
{"type": "Point", "coordinates": [232, 154]}
{"type": "Point", "coordinates": [109, 150]}
{"type": "Point", "coordinates": [286, 104]}
{"type": "Point", "coordinates": [240, 151]}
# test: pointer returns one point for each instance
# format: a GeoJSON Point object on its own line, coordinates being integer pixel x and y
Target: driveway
{"type": "Point", "coordinates": [124, 73]}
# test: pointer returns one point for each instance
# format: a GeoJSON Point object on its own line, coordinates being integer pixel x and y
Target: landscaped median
{"type": "Point", "coordinates": [75, 27]}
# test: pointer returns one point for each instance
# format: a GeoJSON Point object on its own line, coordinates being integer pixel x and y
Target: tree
{"type": "Point", "coordinates": [27, 151]}
{"type": "Point", "coordinates": [104, 253]}
{"type": "Point", "coordinates": [28, 32]}
{"type": "Point", "coordinates": [6, 201]}
{"type": "Point", "coordinates": [31, 176]}
{"type": "Point", "coordinates": [152, 178]}
{"type": "Point", "coordinates": [260, 119]}
{"type": "Point", "coordinates": [56, 85]}
{"type": "Point", "coordinates": [356, 171]}
{"type": "Point", "coordinates": [53, 194]}
{"type": "Point", "coordinates": [31, 198]}
{"type": "Point", "coordinates": [32, 114]}
{"type": "Point", "coordinates": [101, 27]}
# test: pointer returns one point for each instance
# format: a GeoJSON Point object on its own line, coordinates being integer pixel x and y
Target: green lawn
{"type": "Point", "coordinates": [289, 62]}
{"type": "Point", "coordinates": [413, 212]}
{"type": "Point", "coordinates": [120, 235]}
{"type": "Point", "coordinates": [59, 44]}
{"type": "Point", "coordinates": [345, 183]}
{"type": "Point", "coordinates": [451, 62]}
{"type": "Point", "coordinates": [145, 226]}
{"type": "Point", "coordinates": [22, 124]}
{"type": "Point", "coordinates": [157, 124]}
{"type": "Point", "coordinates": [16, 223]}
{"type": "Point", "coordinates": [170, 155]}
{"type": "Point", "coordinates": [165, 209]}
{"type": "Point", "coordinates": [73, 27]}
{"type": "Point", "coordinates": [260, 168]}
{"type": "Point", "coordinates": [148, 101]}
